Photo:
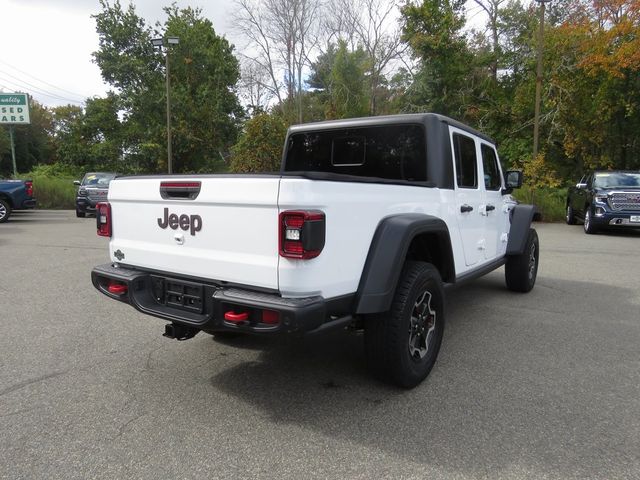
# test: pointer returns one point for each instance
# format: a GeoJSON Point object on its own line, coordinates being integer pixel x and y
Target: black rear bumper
{"type": "Point", "coordinates": [203, 306]}
{"type": "Point", "coordinates": [28, 204]}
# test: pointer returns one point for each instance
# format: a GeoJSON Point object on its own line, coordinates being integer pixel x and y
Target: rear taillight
{"type": "Point", "coordinates": [103, 219]}
{"type": "Point", "coordinates": [302, 234]}
{"type": "Point", "coordinates": [29, 186]}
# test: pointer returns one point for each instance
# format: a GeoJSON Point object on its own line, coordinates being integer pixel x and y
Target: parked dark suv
{"type": "Point", "coordinates": [92, 189]}
{"type": "Point", "coordinates": [605, 200]}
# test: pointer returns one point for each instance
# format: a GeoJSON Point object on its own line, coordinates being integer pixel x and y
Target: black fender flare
{"type": "Point", "coordinates": [521, 218]}
{"type": "Point", "coordinates": [387, 254]}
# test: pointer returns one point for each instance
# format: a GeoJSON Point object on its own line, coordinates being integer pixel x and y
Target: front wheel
{"type": "Point", "coordinates": [80, 214]}
{"type": "Point", "coordinates": [5, 211]}
{"type": "Point", "coordinates": [521, 271]}
{"type": "Point", "coordinates": [589, 227]}
{"type": "Point", "coordinates": [402, 344]}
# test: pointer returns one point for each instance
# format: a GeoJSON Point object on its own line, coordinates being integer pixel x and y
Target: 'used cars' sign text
{"type": "Point", "coordinates": [14, 108]}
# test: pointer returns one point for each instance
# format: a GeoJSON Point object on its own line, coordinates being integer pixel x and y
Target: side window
{"type": "Point", "coordinates": [492, 180]}
{"type": "Point", "coordinates": [466, 161]}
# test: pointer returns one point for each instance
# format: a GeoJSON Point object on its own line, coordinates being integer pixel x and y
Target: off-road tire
{"type": "Point", "coordinates": [389, 354]}
{"type": "Point", "coordinates": [5, 210]}
{"type": "Point", "coordinates": [521, 271]}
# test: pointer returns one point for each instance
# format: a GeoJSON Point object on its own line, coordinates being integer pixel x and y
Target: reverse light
{"type": "Point", "coordinates": [29, 187]}
{"type": "Point", "coordinates": [103, 219]}
{"type": "Point", "coordinates": [301, 233]}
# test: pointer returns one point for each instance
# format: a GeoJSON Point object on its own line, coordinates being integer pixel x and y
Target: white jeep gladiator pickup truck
{"type": "Point", "coordinates": [364, 225]}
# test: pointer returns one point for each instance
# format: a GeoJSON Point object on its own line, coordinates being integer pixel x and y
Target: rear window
{"type": "Point", "coordinates": [395, 152]}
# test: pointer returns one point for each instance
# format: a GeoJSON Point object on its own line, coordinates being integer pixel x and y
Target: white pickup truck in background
{"type": "Point", "coordinates": [364, 225]}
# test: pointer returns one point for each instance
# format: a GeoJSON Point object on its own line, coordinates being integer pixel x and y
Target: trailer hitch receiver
{"type": "Point", "coordinates": [179, 332]}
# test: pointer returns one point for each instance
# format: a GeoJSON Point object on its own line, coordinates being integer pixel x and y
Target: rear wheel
{"type": "Point", "coordinates": [521, 271]}
{"type": "Point", "coordinates": [5, 210]}
{"type": "Point", "coordinates": [402, 345]}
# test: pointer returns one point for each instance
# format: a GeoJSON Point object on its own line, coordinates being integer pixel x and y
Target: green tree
{"type": "Point", "coordinates": [32, 142]}
{"type": "Point", "coordinates": [347, 88]}
{"type": "Point", "coordinates": [204, 77]}
{"type": "Point", "coordinates": [70, 147]}
{"type": "Point", "coordinates": [259, 148]}
{"type": "Point", "coordinates": [206, 113]}
{"type": "Point", "coordinates": [433, 30]}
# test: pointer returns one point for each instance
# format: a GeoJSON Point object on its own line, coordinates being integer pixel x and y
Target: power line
{"type": "Point", "coordinates": [43, 81]}
{"type": "Point", "coordinates": [34, 86]}
{"type": "Point", "coordinates": [22, 87]}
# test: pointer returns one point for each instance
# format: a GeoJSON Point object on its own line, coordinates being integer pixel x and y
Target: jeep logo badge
{"type": "Point", "coordinates": [193, 223]}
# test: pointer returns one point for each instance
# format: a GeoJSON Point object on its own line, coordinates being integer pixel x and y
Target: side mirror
{"type": "Point", "coordinates": [581, 186]}
{"type": "Point", "coordinates": [513, 179]}
{"type": "Point", "coordinates": [76, 183]}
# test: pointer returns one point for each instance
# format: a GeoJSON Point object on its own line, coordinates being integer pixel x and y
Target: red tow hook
{"type": "Point", "coordinates": [117, 288]}
{"type": "Point", "coordinates": [234, 317]}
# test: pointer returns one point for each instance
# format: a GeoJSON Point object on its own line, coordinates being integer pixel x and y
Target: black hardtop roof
{"type": "Point", "coordinates": [404, 118]}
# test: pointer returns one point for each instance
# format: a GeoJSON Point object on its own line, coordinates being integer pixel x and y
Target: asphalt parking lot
{"type": "Point", "coordinates": [543, 385]}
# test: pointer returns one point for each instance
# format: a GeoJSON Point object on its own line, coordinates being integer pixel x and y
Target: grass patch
{"type": "Point", "coordinates": [551, 202]}
{"type": "Point", "coordinates": [56, 193]}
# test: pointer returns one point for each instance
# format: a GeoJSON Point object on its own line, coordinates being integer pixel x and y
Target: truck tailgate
{"type": "Point", "coordinates": [229, 232]}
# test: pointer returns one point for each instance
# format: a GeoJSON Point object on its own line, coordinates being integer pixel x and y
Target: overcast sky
{"type": "Point", "coordinates": [46, 45]}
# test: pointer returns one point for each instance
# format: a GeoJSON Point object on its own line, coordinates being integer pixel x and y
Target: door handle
{"type": "Point", "coordinates": [466, 208]}
{"type": "Point", "coordinates": [490, 208]}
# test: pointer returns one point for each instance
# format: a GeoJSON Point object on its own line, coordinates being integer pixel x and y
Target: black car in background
{"type": "Point", "coordinates": [93, 188]}
{"type": "Point", "coordinates": [605, 199]}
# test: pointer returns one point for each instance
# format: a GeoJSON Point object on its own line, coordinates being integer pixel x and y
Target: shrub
{"type": "Point", "coordinates": [551, 202]}
{"type": "Point", "coordinates": [53, 185]}
{"type": "Point", "coordinates": [259, 148]}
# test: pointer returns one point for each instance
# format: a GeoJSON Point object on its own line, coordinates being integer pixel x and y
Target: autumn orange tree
{"type": "Point", "coordinates": [596, 83]}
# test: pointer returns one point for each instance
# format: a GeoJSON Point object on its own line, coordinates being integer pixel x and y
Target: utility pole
{"type": "Point", "coordinates": [12, 132]}
{"type": "Point", "coordinates": [536, 120]}
{"type": "Point", "coordinates": [169, 152]}
{"type": "Point", "coordinates": [159, 43]}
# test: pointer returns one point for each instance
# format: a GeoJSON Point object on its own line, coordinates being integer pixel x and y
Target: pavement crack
{"type": "Point", "coordinates": [26, 383]}
{"type": "Point", "coordinates": [123, 427]}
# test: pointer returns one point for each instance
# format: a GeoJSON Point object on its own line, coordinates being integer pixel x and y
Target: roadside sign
{"type": "Point", "coordinates": [14, 109]}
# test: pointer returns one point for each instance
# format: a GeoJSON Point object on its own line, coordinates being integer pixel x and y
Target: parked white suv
{"type": "Point", "coordinates": [365, 223]}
